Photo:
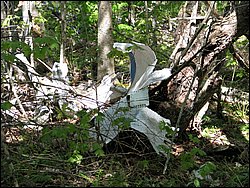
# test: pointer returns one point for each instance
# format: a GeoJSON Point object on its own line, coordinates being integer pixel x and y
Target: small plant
{"type": "Point", "coordinates": [194, 139]}
{"type": "Point", "coordinates": [203, 173]}
{"type": "Point", "coordinates": [119, 119]}
{"type": "Point", "coordinates": [165, 126]}
{"type": "Point", "coordinates": [98, 177]}
{"type": "Point", "coordinates": [144, 164]}
{"type": "Point", "coordinates": [98, 150]}
{"type": "Point", "coordinates": [118, 179]}
{"type": "Point", "coordinates": [6, 105]}
{"type": "Point", "coordinates": [76, 157]}
{"type": "Point", "coordinates": [188, 158]}
{"type": "Point", "coordinates": [63, 112]}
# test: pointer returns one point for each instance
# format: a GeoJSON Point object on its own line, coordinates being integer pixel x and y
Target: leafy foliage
{"type": "Point", "coordinates": [6, 105]}
{"type": "Point", "coordinates": [188, 158]}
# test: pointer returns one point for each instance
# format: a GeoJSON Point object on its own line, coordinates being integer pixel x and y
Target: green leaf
{"type": "Point", "coordinates": [55, 4]}
{"type": "Point", "coordinates": [144, 164]}
{"type": "Point", "coordinates": [6, 105]}
{"type": "Point", "coordinates": [207, 168]}
{"type": "Point", "coordinates": [46, 135]}
{"type": "Point", "coordinates": [193, 138]}
{"type": "Point", "coordinates": [42, 52]}
{"type": "Point", "coordinates": [8, 57]}
{"type": "Point", "coordinates": [164, 148]}
{"type": "Point", "coordinates": [197, 151]}
{"type": "Point", "coordinates": [162, 125]}
{"type": "Point", "coordinates": [72, 128]}
{"type": "Point", "coordinates": [187, 161]}
{"type": "Point", "coordinates": [100, 116]}
{"type": "Point", "coordinates": [26, 49]}
{"type": "Point", "coordinates": [99, 153]}
{"type": "Point", "coordinates": [14, 45]}
{"type": "Point", "coordinates": [165, 126]}
{"type": "Point", "coordinates": [98, 150]}
{"type": "Point", "coordinates": [125, 27]}
{"type": "Point", "coordinates": [197, 183]}
{"type": "Point", "coordinates": [54, 46]}
{"type": "Point", "coordinates": [59, 132]}
{"type": "Point", "coordinates": [75, 158]}
{"type": "Point", "coordinates": [122, 122]}
{"type": "Point", "coordinates": [84, 118]}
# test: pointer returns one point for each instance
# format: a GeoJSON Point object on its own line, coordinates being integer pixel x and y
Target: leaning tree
{"type": "Point", "coordinates": [197, 61]}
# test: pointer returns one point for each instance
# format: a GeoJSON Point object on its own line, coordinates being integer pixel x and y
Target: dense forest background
{"type": "Point", "coordinates": [46, 142]}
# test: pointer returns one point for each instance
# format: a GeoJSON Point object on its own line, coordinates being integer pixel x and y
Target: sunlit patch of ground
{"type": "Point", "coordinates": [215, 136]}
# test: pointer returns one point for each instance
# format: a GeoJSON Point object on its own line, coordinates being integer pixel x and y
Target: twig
{"type": "Point", "coordinates": [183, 53]}
{"type": "Point", "coordinates": [15, 93]}
{"type": "Point", "coordinates": [236, 54]}
{"type": "Point", "coordinates": [47, 66]}
{"type": "Point", "coordinates": [178, 120]}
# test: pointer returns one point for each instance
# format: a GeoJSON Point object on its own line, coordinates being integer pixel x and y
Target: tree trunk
{"type": "Point", "coordinates": [63, 31]}
{"type": "Point", "coordinates": [147, 21]}
{"type": "Point", "coordinates": [154, 23]}
{"type": "Point", "coordinates": [29, 13]}
{"type": "Point", "coordinates": [131, 13]}
{"type": "Point", "coordinates": [105, 40]}
{"type": "Point", "coordinates": [197, 61]}
{"type": "Point", "coordinates": [3, 11]}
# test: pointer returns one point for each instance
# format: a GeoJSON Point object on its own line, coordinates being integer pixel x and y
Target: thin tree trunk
{"type": "Point", "coordinates": [154, 28]}
{"type": "Point", "coordinates": [63, 31]}
{"type": "Point", "coordinates": [3, 11]}
{"type": "Point", "coordinates": [131, 13]}
{"type": "Point", "coordinates": [146, 18]}
{"type": "Point", "coordinates": [28, 10]}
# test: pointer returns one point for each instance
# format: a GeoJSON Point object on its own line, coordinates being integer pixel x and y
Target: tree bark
{"type": "Point", "coordinates": [105, 40]}
{"type": "Point", "coordinates": [29, 13]}
{"type": "Point", "coordinates": [63, 32]}
{"type": "Point", "coordinates": [3, 11]}
{"type": "Point", "coordinates": [147, 21]}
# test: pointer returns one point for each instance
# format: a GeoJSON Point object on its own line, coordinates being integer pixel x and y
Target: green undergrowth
{"type": "Point", "coordinates": [63, 155]}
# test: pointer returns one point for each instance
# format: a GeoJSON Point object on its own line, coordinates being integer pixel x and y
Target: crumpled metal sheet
{"type": "Point", "coordinates": [133, 107]}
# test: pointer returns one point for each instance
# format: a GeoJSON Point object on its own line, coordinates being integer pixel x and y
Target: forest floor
{"type": "Point", "coordinates": [215, 157]}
